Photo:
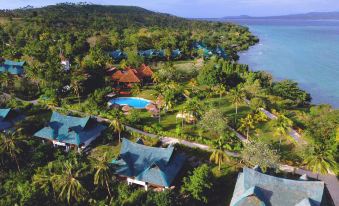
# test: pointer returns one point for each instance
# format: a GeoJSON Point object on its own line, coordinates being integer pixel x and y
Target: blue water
{"type": "Point", "coordinates": [137, 103]}
{"type": "Point", "coordinates": [304, 51]}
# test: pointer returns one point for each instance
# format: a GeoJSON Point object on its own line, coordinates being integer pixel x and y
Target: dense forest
{"type": "Point", "coordinates": [218, 94]}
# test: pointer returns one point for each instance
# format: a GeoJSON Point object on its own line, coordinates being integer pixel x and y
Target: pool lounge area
{"type": "Point", "coordinates": [135, 102]}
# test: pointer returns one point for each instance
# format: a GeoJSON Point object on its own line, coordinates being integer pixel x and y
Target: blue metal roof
{"type": "Point", "coordinates": [4, 113]}
{"type": "Point", "coordinates": [117, 54]}
{"type": "Point", "coordinates": [158, 166]}
{"type": "Point", "coordinates": [12, 67]}
{"type": "Point", "coordinates": [7, 121]}
{"type": "Point", "coordinates": [68, 129]}
{"type": "Point", "coordinates": [147, 53]}
{"type": "Point", "coordinates": [276, 191]}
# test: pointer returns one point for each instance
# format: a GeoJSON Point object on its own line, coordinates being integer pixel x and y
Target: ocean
{"type": "Point", "coordinates": [301, 50]}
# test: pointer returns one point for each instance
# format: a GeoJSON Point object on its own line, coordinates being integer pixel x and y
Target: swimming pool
{"type": "Point", "coordinates": [135, 102]}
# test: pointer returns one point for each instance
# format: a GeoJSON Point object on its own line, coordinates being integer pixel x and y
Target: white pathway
{"type": "Point", "coordinates": [294, 134]}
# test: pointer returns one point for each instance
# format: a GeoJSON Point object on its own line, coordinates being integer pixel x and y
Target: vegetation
{"type": "Point", "coordinates": [215, 98]}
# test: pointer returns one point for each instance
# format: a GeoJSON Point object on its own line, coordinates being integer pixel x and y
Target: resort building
{"type": "Point", "coordinates": [8, 118]}
{"type": "Point", "coordinates": [70, 132]}
{"type": "Point", "coordinates": [148, 166]}
{"type": "Point", "coordinates": [117, 55]}
{"type": "Point", "coordinates": [255, 188]}
{"type": "Point", "coordinates": [12, 67]}
{"type": "Point", "coordinates": [130, 76]}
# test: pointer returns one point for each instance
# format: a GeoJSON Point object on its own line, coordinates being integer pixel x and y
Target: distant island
{"type": "Point", "coordinates": [307, 16]}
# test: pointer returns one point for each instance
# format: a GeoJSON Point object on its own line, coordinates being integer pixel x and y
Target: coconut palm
{"type": "Point", "coordinates": [63, 178]}
{"type": "Point", "coordinates": [103, 175]}
{"type": "Point", "coordinates": [218, 155]}
{"type": "Point", "coordinates": [117, 126]}
{"type": "Point", "coordinates": [237, 97]}
{"type": "Point", "coordinates": [5, 79]}
{"type": "Point", "coordinates": [66, 182]}
{"type": "Point", "coordinates": [220, 90]}
{"type": "Point", "coordinates": [282, 126]}
{"type": "Point", "coordinates": [160, 104]}
{"type": "Point", "coordinates": [77, 81]}
{"type": "Point", "coordinates": [10, 145]}
{"type": "Point", "coordinates": [320, 161]}
{"type": "Point", "coordinates": [247, 123]}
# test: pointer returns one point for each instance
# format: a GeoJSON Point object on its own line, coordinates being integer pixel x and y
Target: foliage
{"type": "Point", "coordinates": [198, 184]}
{"type": "Point", "coordinates": [290, 90]}
{"type": "Point", "coordinates": [214, 121]}
{"type": "Point", "coordinates": [260, 153]}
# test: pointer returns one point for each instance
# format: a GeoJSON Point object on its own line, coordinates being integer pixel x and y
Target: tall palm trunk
{"type": "Point", "coordinates": [108, 190]}
{"type": "Point", "coordinates": [236, 114]}
{"type": "Point", "coordinates": [17, 163]}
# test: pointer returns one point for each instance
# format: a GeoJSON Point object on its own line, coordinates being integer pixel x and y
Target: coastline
{"type": "Point", "coordinates": [315, 76]}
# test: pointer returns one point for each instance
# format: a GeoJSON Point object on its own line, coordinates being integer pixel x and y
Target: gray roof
{"type": "Point", "coordinates": [255, 188]}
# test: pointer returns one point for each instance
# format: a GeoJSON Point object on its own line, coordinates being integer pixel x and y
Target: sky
{"type": "Point", "coordinates": [204, 8]}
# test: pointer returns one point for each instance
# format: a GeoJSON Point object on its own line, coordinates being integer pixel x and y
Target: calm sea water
{"type": "Point", "coordinates": [304, 51]}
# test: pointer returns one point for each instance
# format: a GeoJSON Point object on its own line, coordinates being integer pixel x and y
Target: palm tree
{"type": "Point", "coordinates": [66, 182]}
{"type": "Point", "coordinates": [160, 104]}
{"type": "Point", "coordinates": [5, 78]}
{"type": "Point", "coordinates": [219, 90]}
{"type": "Point", "coordinates": [247, 123]}
{"type": "Point", "coordinates": [77, 81]}
{"type": "Point", "coordinates": [282, 125]}
{"type": "Point", "coordinates": [218, 155]}
{"type": "Point", "coordinates": [320, 161]}
{"type": "Point", "coordinates": [156, 77]}
{"type": "Point", "coordinates": [103, 174]}
{"type": "Point", "coordinates": [118, 127]}
{"type": "Point", "coordinates": [237, 97]}
{"type": "Point", "coordinates": [10, 145]}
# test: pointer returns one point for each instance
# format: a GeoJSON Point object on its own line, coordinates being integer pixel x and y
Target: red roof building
{"type": "Point", "coordinates": [131, 75]}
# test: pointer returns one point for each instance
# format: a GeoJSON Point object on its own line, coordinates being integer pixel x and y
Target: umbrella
{"type": "Point", "coordinates": [126, 108]}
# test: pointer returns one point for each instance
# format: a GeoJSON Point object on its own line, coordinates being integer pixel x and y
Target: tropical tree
{"type": "Point", "coordinates": [261, 154]}
{"type": "Point", "coordinates": [103, 172]}
{"type": "Point", "coordinates": [320, 160]}
{"type": "Point", "coordinates": [77, 82]}
{"type": "Point", "coordinates": [199, 183]}
{"type": "Point", "coordinates": [214, 121]}
{"type": "Point", "coordinates": [247, 123]}
{"type": "Point", "coordinates": [67, 182]}
{"type": "Point", "coordinates": [282, 126]}
{"type": "Point", "coordinates": [118, 127]}
{"type": "Point", "coordinates": [220, 90]}
{"type": "Point", "coordinates": [64, 179]}
{"type": "Point", "coordinates": [218, 155]}
{"type": "Point", "coordinates": [160, 102]}
{"type": "Point", "coordinates": [5, 79]}
{"type": "Point", "coordinates": [237, 97]}
{"type": "Point", "coordinates": [10, 146]}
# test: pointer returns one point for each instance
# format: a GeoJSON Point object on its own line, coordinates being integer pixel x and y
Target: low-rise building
{"type": "Point", "coordinates": [148, 166]}
{"type": "Point", "coordinates": [8, 118]}
{"type": "Point", "coordinates": [254, 188]}
{"type": "Point", "coordinates": [71, 132]}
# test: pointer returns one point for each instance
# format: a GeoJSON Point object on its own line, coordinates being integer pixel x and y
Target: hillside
{"type": "Point", "coordinates": [92, 16]}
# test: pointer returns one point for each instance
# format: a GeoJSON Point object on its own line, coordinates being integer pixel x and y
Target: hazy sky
{"type": "Point", "coordinates": [204, 8]}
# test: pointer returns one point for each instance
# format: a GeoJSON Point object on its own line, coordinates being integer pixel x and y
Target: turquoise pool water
{"type": "Point", "coordinates": [135, 102]}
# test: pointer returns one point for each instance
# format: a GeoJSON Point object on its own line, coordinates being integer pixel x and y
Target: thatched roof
{"type": "Point", "coordinates": [145, 71]}
{"type": "Point", "coordinates": [117, 75]}
{"type": "Point", "coordinates": [126, 108]}
{"type": "Point", "coordinates": [129, 77]}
